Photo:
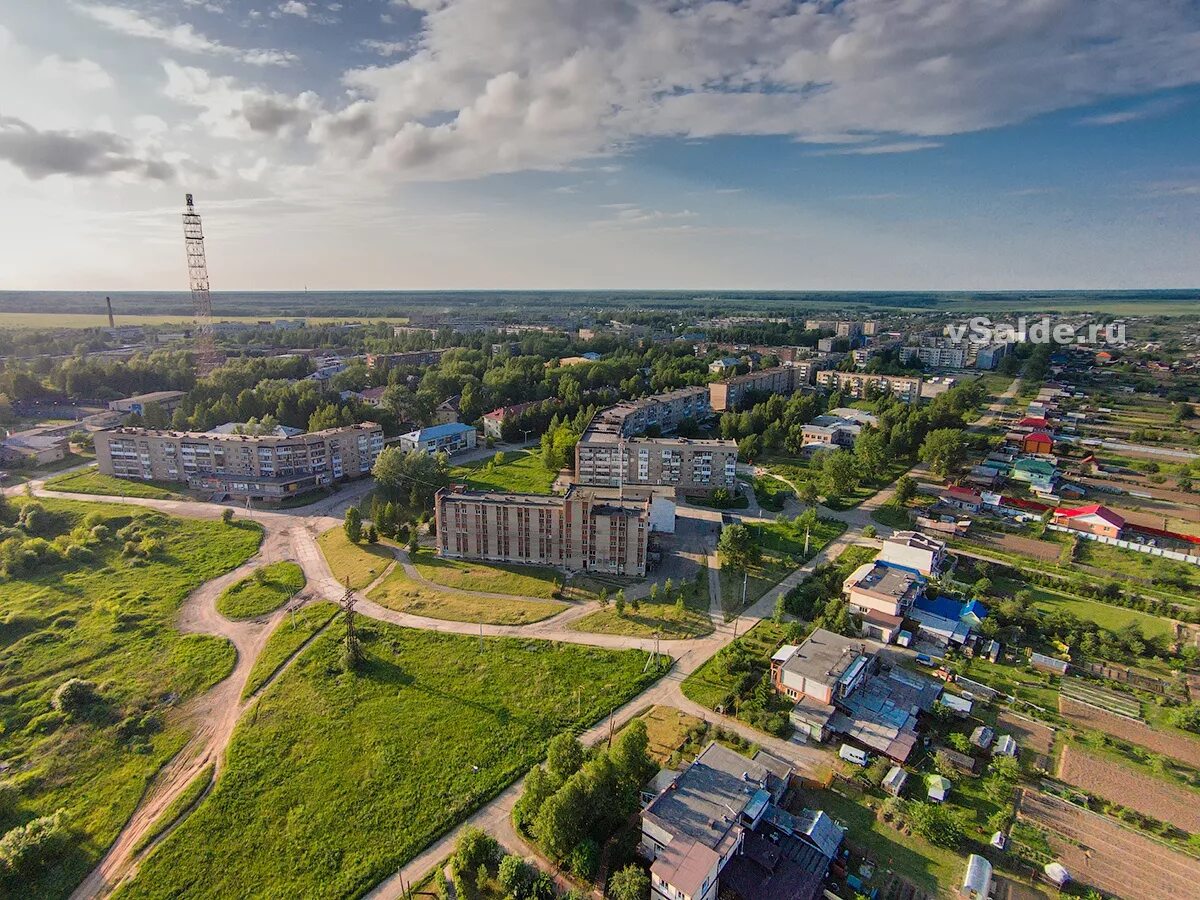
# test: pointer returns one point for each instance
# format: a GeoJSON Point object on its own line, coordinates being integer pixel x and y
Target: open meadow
{"type": "Point", "coordinates": [338, 779]}
{"type": "Point", "coordinates": [92, 666]}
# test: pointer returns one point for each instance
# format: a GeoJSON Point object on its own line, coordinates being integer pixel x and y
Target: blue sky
{"type": "Point", "coordinates": [375, 144]}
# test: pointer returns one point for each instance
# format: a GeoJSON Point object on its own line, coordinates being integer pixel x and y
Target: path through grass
{"type": "Point", "coordinates": [339, 780]}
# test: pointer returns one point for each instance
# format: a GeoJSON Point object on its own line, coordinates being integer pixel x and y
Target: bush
{"type": "Point", "coordinates": [584, 859]}
{"type": "Point", "coordinates": [631, 883]}
{"type": "Point", "coordinates": [227, 516]}
{"type": "Point", "coordinates": [75, 697]}
{"type": "Point", "coordinates": [30, 845]}
{"type": "Point", "coordinates": [515, 876]}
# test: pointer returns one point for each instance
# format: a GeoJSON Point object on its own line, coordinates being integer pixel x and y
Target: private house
{"type": "Point", "coordinates": [963, 498]}
{"type": "Point", "coordinates": [882, 595]}
{"type": "Point", "coordinates": [1092, 519]}
{"type": "Point", "coordinates": [723, 365]}
{"type": "Point", "coordinates": [1037, 442]}
{"type": "Point", "coordinates": [944, 620]}
{"type": "Point", "coordinates": [1038, 473]}
{"type": "Point", "coordinates": [450, 438]}
{"type": "Point", "coordinates": [716, 827]}
{"type": "Point", "coordinates": [915, 551]}
{"type": "Point", "coordinates": [493, 422]}
{"type": "Point", "coordinates": [447, 411]}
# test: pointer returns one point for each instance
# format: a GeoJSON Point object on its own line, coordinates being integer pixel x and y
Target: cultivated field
{"type": "Point", "coordinates": [1032, 737]}
{"type": "Point", "coordinates": [1099, 852]}
{"type": "Point", "coordinates": [1168, 743]}
{"type": "Point", "coordinates": [1120, 784]}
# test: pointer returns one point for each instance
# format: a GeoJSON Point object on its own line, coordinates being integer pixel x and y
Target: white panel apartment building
{"type": "Point", "coordinates": [267, 468]}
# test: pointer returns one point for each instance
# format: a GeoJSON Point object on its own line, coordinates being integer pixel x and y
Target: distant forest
{"type": "Point", "coordinates": [519, 305]}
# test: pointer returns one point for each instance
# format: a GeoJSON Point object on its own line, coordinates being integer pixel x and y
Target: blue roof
{"type": "Point", "coordinates": [946, 607]}
{"type": "Point", "coordinates": [440, 431]}
{"type": "Point", "coordinates": [974, 606]}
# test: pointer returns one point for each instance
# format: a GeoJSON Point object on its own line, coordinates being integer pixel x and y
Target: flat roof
{"type": "Point", "coordinates": [891, 582]}
{"type": "Point", "coordinates": [824, 656]}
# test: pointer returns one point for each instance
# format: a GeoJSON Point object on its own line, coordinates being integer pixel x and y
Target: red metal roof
{"type": "Point", "coordinates": [1092, 509]}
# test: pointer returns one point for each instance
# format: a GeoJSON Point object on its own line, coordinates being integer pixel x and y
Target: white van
{"type": "Point", "coordinates": [854, 755]}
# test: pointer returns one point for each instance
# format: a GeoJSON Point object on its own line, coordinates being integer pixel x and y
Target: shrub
{"type": "Point", "coordinates": [584, 859]}
{"type": "Point", "coordinates": [30, 845]}
{"type": "Point", "coordinates": [631, 883]}
{"type": "Point", "coordinates": [227, 516]}
{"type": "Point", "coordinates": [515, 876]}
{"type": "Point", "coordinates": [75, 697]}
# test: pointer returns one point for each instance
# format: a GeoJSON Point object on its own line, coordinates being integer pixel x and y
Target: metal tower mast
{"type": "Point", "coordinates": [204, 348]}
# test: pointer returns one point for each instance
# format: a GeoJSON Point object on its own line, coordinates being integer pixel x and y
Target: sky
{"type": "Point", "coordinates": [576, 144]}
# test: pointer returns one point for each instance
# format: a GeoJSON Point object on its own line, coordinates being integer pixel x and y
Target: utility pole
{"type": "Point", "coordinates": [807, 530]}
{"type": "Point", "coordinates": [481, 638]}
{"type": "Point", "coordinates": [353, 648]}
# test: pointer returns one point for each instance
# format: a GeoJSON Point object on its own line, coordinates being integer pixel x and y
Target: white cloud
{"type": "Point", "coordinates": [881, 149]}
{"type": "Point", "coordinates": [83, 74]}
{"type": "Point", "coordinates": [85, 154]}
{"type": "Point", "coordinates": [233, 111]}
{"type": "Point", "coordinates": [504, 85]}
{"type": "Point", "coordinates": [294, 8]}
{"type": "Point", "coordinates": [182, 37]}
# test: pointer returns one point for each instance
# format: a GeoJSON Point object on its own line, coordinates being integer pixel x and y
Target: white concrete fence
{"type": "Point", "coordinates": [1130, 545]}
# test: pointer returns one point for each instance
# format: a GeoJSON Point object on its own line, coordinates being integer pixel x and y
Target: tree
{"type": "Point", "coordinates": [564, 818]}
{"type": "Point", "coordinates": [602, 596]}
{"type": "Point", "coordinates": [870, 450]}
{"type": "Point", "coordinates": [809, 494]}
{"type": "Point", "coordinates": [564, 756]}
{"type": "Point", "coordinates": [935, 823]}
{"type": "Point", "coordinates": [944, 450]}
{"type": "Point", "coordinates": [29, 846]}
{"type": "Point", "coordinates": [352, 524]}
{"type": "Point", "coordinates": [515, 876]}
{"type": "Point", "coordinates": [410, 477]}
{"type": "Point", "coordinates": [474, 849]}
{"type": "Point", "coordinates": [630, 883]}
{"type": "Point", "coordinates": [738, 546]}
{"type": "Point", "coordinates": [227, 516]}
{"type": "Point", "coordinates": [630, 755]}
{"type": "Point", "coordinates": [839, 472]}
{"type": "Point", "coordinates": [539, 786]}
{"type": "Point", "coordinates": [619, 603]}
{"type": "Point", "coordinates": [906, 490]}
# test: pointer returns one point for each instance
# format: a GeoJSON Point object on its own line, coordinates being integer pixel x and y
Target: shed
{"type": "Point", "coordinates": [937, 788]}
{"type": "Point", "coordinates": [960, 706]}
{"type": "Point", "coordinates": [1057, 873]}
{"type": "Point", "coordinates": [982, 737]}
{"type": "Point", "coordinates": [893, 781]}
{"type": "Point", "coordinates": [968, 765]}
{"type": "Point", "coordinates": [1005, 746]}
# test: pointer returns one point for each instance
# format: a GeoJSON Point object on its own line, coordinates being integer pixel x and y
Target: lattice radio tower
{"type": "Point", "coordinates": [203, 346]}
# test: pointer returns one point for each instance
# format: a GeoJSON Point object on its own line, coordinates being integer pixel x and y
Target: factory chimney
{"type": "Point", "coordinates": [111, 321]}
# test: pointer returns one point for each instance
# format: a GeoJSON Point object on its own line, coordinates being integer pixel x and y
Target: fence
{"type": "Point", "coordinates": [1130, 545]}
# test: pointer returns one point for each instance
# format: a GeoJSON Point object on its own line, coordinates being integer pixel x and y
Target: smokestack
{"type": "Point", "coordinates": [111, 322]}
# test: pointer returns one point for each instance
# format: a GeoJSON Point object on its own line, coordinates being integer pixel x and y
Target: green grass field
{"type": "Point", "coordinates": [108, 619]}
{"type": "Point", "coordinates": [782, 544]}
{"type": "Point", "coordinates": [360, 563]}
{"type": "Point", "coordinates": [286, 639]}
{"type": "Point", "coordinates": [339, 780]}
{"type": "Point", "coordinates": [1166, 573]}
{"type": "Point", "coordinates": [264, 591]}
{"type": "Point", "coordinates": [399, 592]}
{"type": "Point", "coordinates": [1113, 618]}
{"type": "Point", "coordinates": [520, 473]}
{"type": "Point", "coordinates": [492, 578]}
{"type": "Point", "coordinates": [710, 684]}
{"type": "Point", "coordinates": [89, 481]}
{"type": "Point", "coordinates": [660, 616]}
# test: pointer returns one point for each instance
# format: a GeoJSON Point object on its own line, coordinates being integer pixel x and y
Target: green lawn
{"type": "Point", "coordinates": [520, 473]}
{"type": "Point", "coordinates": [339, 780]}
{"type": "Point", "coordinates": [771, 492]}
{"type": "Point", "coordinates": [1113, 618]}
{"type": "Point", "coordinates": [892, 516]}
{"type": "Point", "coordinates": [399, 592]}
{"type": "Point", "coordinates": [782, 544]}
{"type": "Point", "coordinates": [660, 616]}
{"type": "Point", "coordinates": [89, 481]}
{"type": "Point", "coordinates": [286, 639]}
{"type": "Point", "coordinates": [360, 563]}
{"type": "Point", "coordinates": [492, 578]}
{"type": "Point", "coordinates": [710, 684]}
{"type": "Point", "coordinates": [262, 592]}
{"type": "Point", "coordinates": [1166, 573]}
{"type": "Point", "coordinates": [108, 619]}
